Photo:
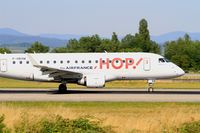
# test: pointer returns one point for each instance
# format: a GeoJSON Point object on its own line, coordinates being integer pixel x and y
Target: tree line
{"type": "Point", "coordinates": [140, 42]}
{"type": "Point", "coordinates": [184, 52]}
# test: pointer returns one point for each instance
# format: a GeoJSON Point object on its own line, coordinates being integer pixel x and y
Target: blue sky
{"type": "Point", "coordinates": [99, 16]}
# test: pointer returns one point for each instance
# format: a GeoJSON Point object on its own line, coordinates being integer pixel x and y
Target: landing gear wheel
{"type": "Point", "coordinates": [62, 88]}
{"type": "Point", "coordinates": [150, 85]}
{"type": "Point", "coordinates": [150, 89]}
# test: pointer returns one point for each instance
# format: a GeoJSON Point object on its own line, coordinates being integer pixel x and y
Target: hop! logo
{"type": "Point", "coordinates": [118, 63]}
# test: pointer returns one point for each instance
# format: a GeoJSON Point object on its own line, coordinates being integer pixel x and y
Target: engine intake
{"type": "Point", "coordinates": [93, 81]}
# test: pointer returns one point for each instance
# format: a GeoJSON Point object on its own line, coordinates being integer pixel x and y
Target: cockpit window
{"type": "Point", "coordinates": [167, 60]}
{"type": "Point", "coordinates": [163, 60]}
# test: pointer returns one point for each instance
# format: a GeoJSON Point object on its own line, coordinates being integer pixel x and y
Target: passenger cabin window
{"type": "Point", "coordinates": [14, 62]}
{"type": "Point", "coordinates": [68, 61]}
{"type": "Point", "coordinates": [54, 62]}
{"type": "Point", "coordinates": [76, 61]}
{"type": "Point", "coordinates": [90, 61]}
{"type": "Point", "coordinates": [20, 62]}
{"type": "Point", "coordinates": [41, 62]}
{"type": "Point", "coordinates": [47, 62]}
{"type": "Point", "coordinates": [27, 62]}
{"type": "Point", "coordinates": [61, 62]}
{"type": "Point", "coordinates": [83, 61]}
{"type": "Point", "coordinates": [96, 61]}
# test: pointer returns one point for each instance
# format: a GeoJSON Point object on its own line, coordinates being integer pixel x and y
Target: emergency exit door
{"type": "Point", "coordinates": [3, 65]}
{"type": "Point", "coordinates": [147, 64]}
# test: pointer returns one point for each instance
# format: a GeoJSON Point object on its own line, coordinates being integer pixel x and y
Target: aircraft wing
{"type": "Point", "coordinates": [55, 72]}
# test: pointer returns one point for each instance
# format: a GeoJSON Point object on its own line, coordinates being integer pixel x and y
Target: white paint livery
{"type": "Point", "coordinates": [89, 69]}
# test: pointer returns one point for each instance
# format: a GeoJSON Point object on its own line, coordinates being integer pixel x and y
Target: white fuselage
{"type": "Point", "coordinates": [110, 66]}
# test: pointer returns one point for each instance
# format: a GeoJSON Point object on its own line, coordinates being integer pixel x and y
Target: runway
{"type": "Point", "coordinates": [107, 95]}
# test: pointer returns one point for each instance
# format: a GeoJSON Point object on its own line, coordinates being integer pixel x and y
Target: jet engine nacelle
{"type": "Point", "coordinates": [93, 81]}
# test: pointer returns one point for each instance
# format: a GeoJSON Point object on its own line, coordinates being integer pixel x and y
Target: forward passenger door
{"type": "Point", "coordinates": [147, 64]}
{"type": "Point", "coordinates": [3, 65]}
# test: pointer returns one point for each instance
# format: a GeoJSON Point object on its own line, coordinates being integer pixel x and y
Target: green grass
{"type": "Point", "coordinates": [124, 117]}
{"type": "Point", "coordinates": [97, 104]}
{"type": "Point", "coordinates": [190, 127]}
{"type": "Point", "coordinates": [58, 124]}
{"type": "Point", "coordinates": [163, 84]}
{"type": "Point", "coordinates": [12, 83]}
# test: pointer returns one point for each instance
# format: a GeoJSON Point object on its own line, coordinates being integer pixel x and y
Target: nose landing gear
{"type": "Point", "coordinates": [150, 85]}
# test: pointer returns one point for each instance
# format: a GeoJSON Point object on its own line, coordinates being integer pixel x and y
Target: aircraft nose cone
{"type": "Point", "coordinates": [180, 72]}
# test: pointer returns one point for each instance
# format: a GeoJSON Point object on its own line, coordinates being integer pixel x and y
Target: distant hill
{"type": "Point", "coordinates": [13, 37]}
{"type": "Point", "coordinates": [61, 36]}
{"type": "Point", "coordinates": [161, 39]}
{"type": "Point", "coordinates": [10, 36]}
{"type": "Point", "coordinates": [26, 45]}
{"type": "Point", "coordinates": [17, 48]}
{"type": "Point", "coordinates": [51, 42]}
{"type": "Point", "coordinates": [8, 31]}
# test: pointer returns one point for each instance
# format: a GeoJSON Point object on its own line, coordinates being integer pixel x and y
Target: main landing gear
{"type": "Point", "coordinates": [150, 85]}
{"type": "Point", "coordinates": [62, 88]}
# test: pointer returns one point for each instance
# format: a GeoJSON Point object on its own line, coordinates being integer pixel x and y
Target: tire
{"type": "Point", "coordinates": [62, 88]}
{"type": "Point", "coordinates": [151, 89]}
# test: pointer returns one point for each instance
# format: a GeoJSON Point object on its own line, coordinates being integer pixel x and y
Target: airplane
{"type": "Point", "coordinates": [92, 70]}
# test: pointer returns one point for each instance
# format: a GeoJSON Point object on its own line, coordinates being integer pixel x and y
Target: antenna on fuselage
{"type": "Point", "coordinates": [105, 51]}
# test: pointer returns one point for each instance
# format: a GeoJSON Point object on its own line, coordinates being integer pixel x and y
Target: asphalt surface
{"type": "Point", "coordinates": [128, 95]}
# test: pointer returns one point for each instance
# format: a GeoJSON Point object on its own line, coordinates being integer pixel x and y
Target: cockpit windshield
{"type": "Point", "coordinates": [167, 60]}
{"type": "Point", "coordinates": [162, 60]}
